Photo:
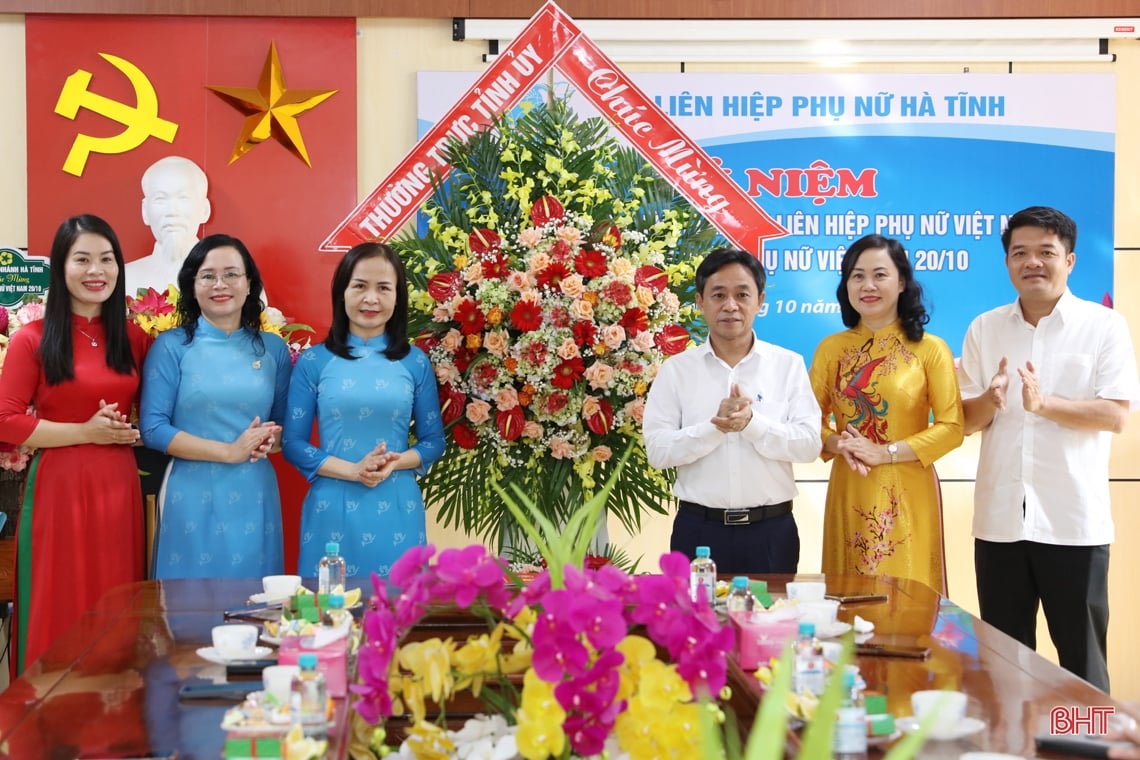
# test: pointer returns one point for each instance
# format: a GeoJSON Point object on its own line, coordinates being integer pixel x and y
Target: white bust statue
{"type": "Point", "coordinates": [175, 207]}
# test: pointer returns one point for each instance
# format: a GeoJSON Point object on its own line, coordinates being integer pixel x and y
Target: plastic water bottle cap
{"type": "Point", "coordinates": [336, 601]}
{"type": "Point", "coordinates": [807, 629]}
{"type": "Point", "coordinates": [740, 582]}
{"type": "Point", "coordinates": [703, 551]}
{"type": "Point", "coordinates": [332, 547]}
{"type": "Point", "coordinates": [307, 661]}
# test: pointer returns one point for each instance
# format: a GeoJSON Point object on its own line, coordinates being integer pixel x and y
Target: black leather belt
{"type": "Point", "coordinates": [741, 516]}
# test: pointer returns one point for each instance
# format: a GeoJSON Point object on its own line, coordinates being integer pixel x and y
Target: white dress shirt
{"type": "Point", "coordinates": [728, 470]}
{"type": "Point", "coordinates": [1081, 351]}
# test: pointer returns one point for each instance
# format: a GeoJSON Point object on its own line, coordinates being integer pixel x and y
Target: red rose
{"type": "Point", "coordinates": [567, 372]}
{"type": "Point", "coordinates": [452, 403]}
{"type": "Point", "coordinates": [651, 277]}
{"type": "Point", "coordinates": [510, 423]}
{"type": "Point", "coordinates": [552, 275]}
{"type": "Point", "coordinates": [484, 241]}
{"type": "Point", "coordinates": [595, 561]}
{"type": "Point", "coordinates": [634, 321]}
{"type": "Point", "coordinates": [590, 263]}
{"type": "Point", "coordinates": [445, 286]}
{"type": "Point", "coordinates": [556, 402]}
{"type": "Point", "coordinates": [560, 251]}
{"type": "Point", "coordinates": [544, 209]}
{"type": "Point", "coordinates": [672, 339]}
{"type": "Point", "coordinates": [601, 421]}
{"type": "Point", "coordinates": [526, 315]}
{"type": "Point", "coordinates": [464, 436]}
{"type": "Point", "coordinates": [470, 317]}
{"type": "Point", "coordinates": [534, 352]}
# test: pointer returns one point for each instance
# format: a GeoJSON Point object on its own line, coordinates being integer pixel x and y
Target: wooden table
{"type": "Point", "coordinates": [109, 687]}
{"type": "Point", "coordinates": [1011, 688]}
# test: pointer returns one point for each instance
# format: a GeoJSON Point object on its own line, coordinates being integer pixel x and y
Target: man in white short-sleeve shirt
{"type": "Point", "coordinates": [1047, 379]}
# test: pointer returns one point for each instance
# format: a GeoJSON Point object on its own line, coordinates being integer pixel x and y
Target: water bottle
{"type": "Point", "coordinates": [309, 698]}
{"type": "Point", "coordinates": [702, 572]}
{"type": "Point", "coordinates": [808, 675]}
{"type": "Point", "coordinates": [337, 613]}
{"type": "Point", "coordinates": [850, 741]}
{"type": "Point", "coordinates": [331, 571]}
{"type": "Point", "coordinates": [740, 596]}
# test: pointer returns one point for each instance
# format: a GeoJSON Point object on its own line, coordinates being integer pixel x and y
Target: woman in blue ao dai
{"type": "Point", "coordinates": [366, 386]}
{"type": "Point", "coordinates": [212, 389]}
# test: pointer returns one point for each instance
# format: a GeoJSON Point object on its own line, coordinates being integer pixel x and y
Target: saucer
{"type": "Point", "coordinates": [213, 655]}
{"type": "Point", "coordinates": [832, 630]}
{"type": "Point", "coordinates": [263, 599]}
{"type": "Point", "coordinates": [271, 640]}
{"type": "Point", "coordinates": [965, 727]}
{"type": "Point", "coordinates": [878, 741]}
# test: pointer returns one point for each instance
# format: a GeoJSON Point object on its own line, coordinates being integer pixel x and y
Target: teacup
{"type": "Point", "coordinates": [280, 586]}
{"type": "Point", "coordinates": [278, 680]}
{"type": "Point", "coordinates": [235, 642]}
{"type": "Point", "coordinates": [806, 591]}
{"type": "Point", "coordinates": [947, 707]}
{"type": "Point", "coordinates": [820, 613]}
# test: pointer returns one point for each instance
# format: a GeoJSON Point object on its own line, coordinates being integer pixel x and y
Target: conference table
{"type": "Point", "coordinates": [109, 686]}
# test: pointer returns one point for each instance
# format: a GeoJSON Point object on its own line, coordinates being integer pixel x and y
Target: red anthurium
{"type": "Point", "coordinates": [510, 423]}
{"type": "Point", "coordinates": [602, 420]}
{"type": "Point", "coordinates": [426, 342]}
{"type": "Point", "coordinates": [495, 266]}
{"type": "Point", "coordinates": [484, 240]}
{"type": "Point", "coordinates": [634, 321]}
{"type": "Point", "coordinates": [469, 317]}
{"type": "Point", "coordinates": [544, 209]}
{"type": "Point", "coordinates": [649, 276]}
{"type": "Point", "coordinates": [464, 436]}
{"type": "Point", "coordinates": [452, 403]}
{"type": "Point", "coordinates": [151, 302]}
{"type": "Point", "coordinates": [526, 315]}
{"type": "Point", "coordinates": [672, 339]}
{"type": "Point", "coordinates": [590, 263]}
{"type": "Point", "coordinates": [445, 286]}
{"type": "Point", "coordinates": [567, 372]}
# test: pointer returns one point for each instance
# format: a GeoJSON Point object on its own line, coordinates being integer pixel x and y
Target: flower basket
{"type": "Point", "coordinates": [547, 290]}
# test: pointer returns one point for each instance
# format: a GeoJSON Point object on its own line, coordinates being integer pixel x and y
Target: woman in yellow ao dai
{"type": "Point", "coordinates": [883, 379]}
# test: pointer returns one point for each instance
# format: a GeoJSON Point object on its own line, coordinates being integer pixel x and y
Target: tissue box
{"type": "Point", "coordinates": [332, 659]}
{"type": "Point", "coordinates": [762, 635]}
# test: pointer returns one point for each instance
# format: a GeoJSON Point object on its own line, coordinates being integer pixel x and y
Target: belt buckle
{"type": "Point", "coordinates": [736, 517]}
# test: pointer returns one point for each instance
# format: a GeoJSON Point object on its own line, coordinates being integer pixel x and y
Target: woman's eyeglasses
{"type": "Point", "coordinates": [229, 278]}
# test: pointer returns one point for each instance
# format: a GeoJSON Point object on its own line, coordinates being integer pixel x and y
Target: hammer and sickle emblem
{"type": "Point", "coordinates": [140, 121]}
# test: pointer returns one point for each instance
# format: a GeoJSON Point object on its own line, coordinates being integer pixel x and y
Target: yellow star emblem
{"type": "Point", "coordinates": [271, 110]}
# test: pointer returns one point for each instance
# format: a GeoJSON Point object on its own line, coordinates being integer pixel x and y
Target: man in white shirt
{"type": "Point", "coordinates": [731, 415]}
{"type": "Point", "coordinates": [174, 206]}
{"type": "Point", "coordinates": [1047, 379]}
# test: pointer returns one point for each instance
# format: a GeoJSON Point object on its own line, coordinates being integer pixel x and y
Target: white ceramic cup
{"type": "Point", "coordinates": [806, 591]}
{"type": "Point", "coordinates": [820, 613]}
{"type": "Point", "coordinates": [278, 679]}
{"type": "Point", "coordinates": [948, 707]}
{"type": "Point", "coordinates": [280, 586]}
{"type": "Point", "coordinates": [235, 642]}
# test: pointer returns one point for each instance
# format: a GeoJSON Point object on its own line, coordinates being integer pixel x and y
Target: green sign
{"type": "Point", "coordinates": [21, 276]}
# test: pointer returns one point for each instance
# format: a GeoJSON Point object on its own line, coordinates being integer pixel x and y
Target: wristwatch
{"type": "Point", "coordinates": [893, 450]}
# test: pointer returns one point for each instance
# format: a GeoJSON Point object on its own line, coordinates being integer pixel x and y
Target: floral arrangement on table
{"type": "Point", "coordinates": [547, 291]}
{"type": "Point", "coordinates": [577, 662]}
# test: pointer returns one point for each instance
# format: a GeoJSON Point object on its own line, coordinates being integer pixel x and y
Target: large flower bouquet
{"type": "Point", "coordinates": [547, 291]}
{"type": "Point", "coordinates": [15, 458]}
{"type": "Point", "coordinates": [574, 663]}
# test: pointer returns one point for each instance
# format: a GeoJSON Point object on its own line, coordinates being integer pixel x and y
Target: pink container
{"type": "Point", "coordinates": [762, 635]}
{"type": "Point", "coordinates": [332, 660]}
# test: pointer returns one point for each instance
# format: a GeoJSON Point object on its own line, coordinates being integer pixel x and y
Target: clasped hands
{"type": "Point", "coordinates": [1031, 396]}
{"type": "Point", "coordinates": [255, 442]}
{"type": "Point", "coordinates": [376, 466]}
{"type": "Point", "coordinates": [734, 413]}
{"type": "Point", "coordinates": [860, 452]}
{"type": "Point", "coordinates": [110, 426]}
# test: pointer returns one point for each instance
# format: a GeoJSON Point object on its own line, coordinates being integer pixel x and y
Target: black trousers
{"type": "Point", "coordinates": [768, 546]}
{"type": "Point", "coordinates": [1070, 582]}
